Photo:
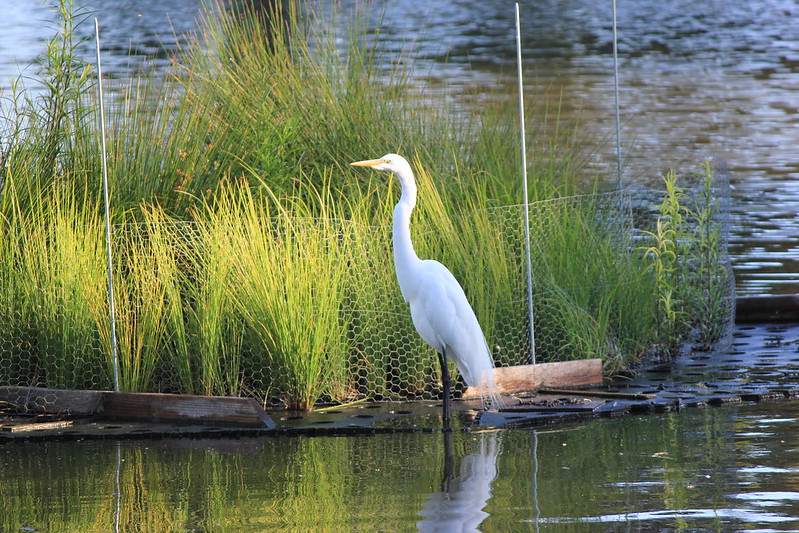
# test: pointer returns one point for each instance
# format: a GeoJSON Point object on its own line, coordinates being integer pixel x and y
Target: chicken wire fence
{"type": "Point", "coordinates": [297, 311]}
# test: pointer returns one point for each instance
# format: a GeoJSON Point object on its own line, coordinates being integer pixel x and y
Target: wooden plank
{"type": "Point", "coordinates": [56, 401]}
{"type": "Point", "coordinates": [209, 410]}
{"type": "Point", "coordinates": [214, 410]}
{"type": "Point", "coordinates": [599, 394]}
{"type": "Point", "coordinates": [776, 308]}
{"type": "Point", "coordinates": [524, 378]}
{"type": "Point", "coordinates": [37, 426]}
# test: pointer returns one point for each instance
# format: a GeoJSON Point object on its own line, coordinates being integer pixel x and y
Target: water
{"type": "Point", "coordinates": [697, 78]}
{"type": "Point", "coordinates": [714, 469]}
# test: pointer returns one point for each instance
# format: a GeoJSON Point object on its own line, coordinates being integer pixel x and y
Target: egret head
{"type": "Point", "coordinates": [393, 163]}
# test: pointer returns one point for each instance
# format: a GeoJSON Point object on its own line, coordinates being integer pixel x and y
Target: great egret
{"type": "Point", "coordinates": [439, 308]}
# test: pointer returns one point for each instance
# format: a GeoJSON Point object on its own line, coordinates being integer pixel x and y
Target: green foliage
{"type": "Point", "coordinates": [692, 282]}
{"type": "Point", "coordinates": [63, 280]}
{"type": "Point", "coordinates": [592, 293]}
{"type": "Point", "coordinates": [288, 290]}
{"type": "Point", "coordinates": [711, 303]}
{"type": "Point", "coordinates": [43, 138]}
{"type": "Point", "coordinates": [669, 239]}
{"type": "Point", "coordinates": [249, 258]}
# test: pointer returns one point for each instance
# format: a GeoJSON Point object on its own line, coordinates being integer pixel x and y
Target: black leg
{"type": "Point", "coordinates": [446, 480]}
{"type": "Point", "coordinates": [442, 358]}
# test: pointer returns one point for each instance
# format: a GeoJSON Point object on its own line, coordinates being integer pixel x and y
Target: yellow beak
{"type": "Point", "coordinates": [368, 163]}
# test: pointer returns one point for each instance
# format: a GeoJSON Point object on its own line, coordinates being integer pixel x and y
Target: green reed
{"type": "Point", "coordinates": [288, 290]}
{"type": "Point", "coordinates": [217, 330]}
{"type": "Point", "coordinates": [61, 275]}
{"type": "Point", "coordinates": [594, 291]}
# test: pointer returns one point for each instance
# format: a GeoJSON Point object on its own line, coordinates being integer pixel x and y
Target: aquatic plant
{"type": "Point", "coordinates": [712, 302]}
{"type": "Point", "coordinates": [667, 241]}
{"type": "Point", "coordinates": [288, 290]}
{"type": "Point", "coordinates": [692, 281]}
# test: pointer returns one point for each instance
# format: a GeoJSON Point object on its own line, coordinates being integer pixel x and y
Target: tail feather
{"type": "Point", "coordinates": [479, 373]}
{"type": "Point", "coordinates": [489, 391]}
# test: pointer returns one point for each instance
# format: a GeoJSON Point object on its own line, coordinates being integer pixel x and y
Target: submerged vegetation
{"type": "Point", "coordinates": [250, 259]}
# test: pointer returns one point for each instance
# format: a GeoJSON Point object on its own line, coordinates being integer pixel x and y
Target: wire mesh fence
{"type": "Point", "coordinates": [294, 310]}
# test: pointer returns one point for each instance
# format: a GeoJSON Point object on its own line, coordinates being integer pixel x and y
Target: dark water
{"type": "Point", "coordinates": [714, 469]}
{"type": "Point", "coordinates": [718, 77]}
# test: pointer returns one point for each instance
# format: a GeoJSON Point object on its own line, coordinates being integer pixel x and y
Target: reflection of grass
{"type": "Point", "coordinates": [372, 483]}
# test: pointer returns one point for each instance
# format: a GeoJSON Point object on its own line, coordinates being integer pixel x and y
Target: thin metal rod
{"type": "Point", "coordinates": [616, 98]}
{"type": "Point", "coordinates": [118, 488]}
{"type": "Point", "coordinates": [537, 514]}
{"type": "Point", "coordinates": [111, 309]}
{"type": "Point", "coordinates": [524, 187]}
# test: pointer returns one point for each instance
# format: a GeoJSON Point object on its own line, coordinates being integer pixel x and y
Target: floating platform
{"type": "Point", "coordinates": [761, 364]}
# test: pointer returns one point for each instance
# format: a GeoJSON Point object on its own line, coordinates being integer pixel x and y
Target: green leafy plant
{"type": "Point", "coordinates": [712, 299]}
{"type": "Point", "coordinates": [692, 281]}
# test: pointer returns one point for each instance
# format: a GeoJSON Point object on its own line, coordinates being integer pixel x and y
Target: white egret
{"type": "Point", "coordinates": [439, 308]}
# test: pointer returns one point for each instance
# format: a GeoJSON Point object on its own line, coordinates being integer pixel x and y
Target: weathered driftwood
{"type": "Point", "coordinates": [776, 308]}
{"type": "Point", "coordinates": [210, 410]}
{"type": "Point", "coordinates": [221, 410]}
{"type": "Point", "coordinates": [525, 378]}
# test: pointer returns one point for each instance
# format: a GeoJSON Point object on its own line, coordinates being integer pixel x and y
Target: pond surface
{"type": "Point", "coordinates": [713, 469]}
{"type": "Point", "coordinates": [697, 78]}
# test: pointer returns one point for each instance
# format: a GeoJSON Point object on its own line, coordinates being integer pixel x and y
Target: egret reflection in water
{"type": "Point", "coordinates": [459, 505]}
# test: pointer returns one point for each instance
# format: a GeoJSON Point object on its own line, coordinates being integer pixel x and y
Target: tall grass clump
{"type": "Point", "coordinates": [49, 224]}
{"type": "Point", "coordinates": [279, 81]}
{"type": "Point", "coordinates": [217, 328]}
{"type": "Point", "coordinates": [144, 278]}
{"type": "Point", "coordinates": [288, 291]}
{"type": "Point", "coordinates": [592, 291]}
{"type": "Point", "coordinates": [62, 276]}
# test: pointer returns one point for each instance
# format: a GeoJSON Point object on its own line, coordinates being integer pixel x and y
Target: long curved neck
{"type": "Point", "coordinates": [405, 258]}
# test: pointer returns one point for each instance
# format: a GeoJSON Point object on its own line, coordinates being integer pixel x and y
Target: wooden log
{"type": "Point", "coordinates": [777, 308]}
{"type": "Point", "coordinates": [55, 401]}
{"type": "Point", "coordinates": [36, 426]}
{"type": "Point", "coordinates": [208, 410]}
{"type": "Point", "coordinates": [524, 378]}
